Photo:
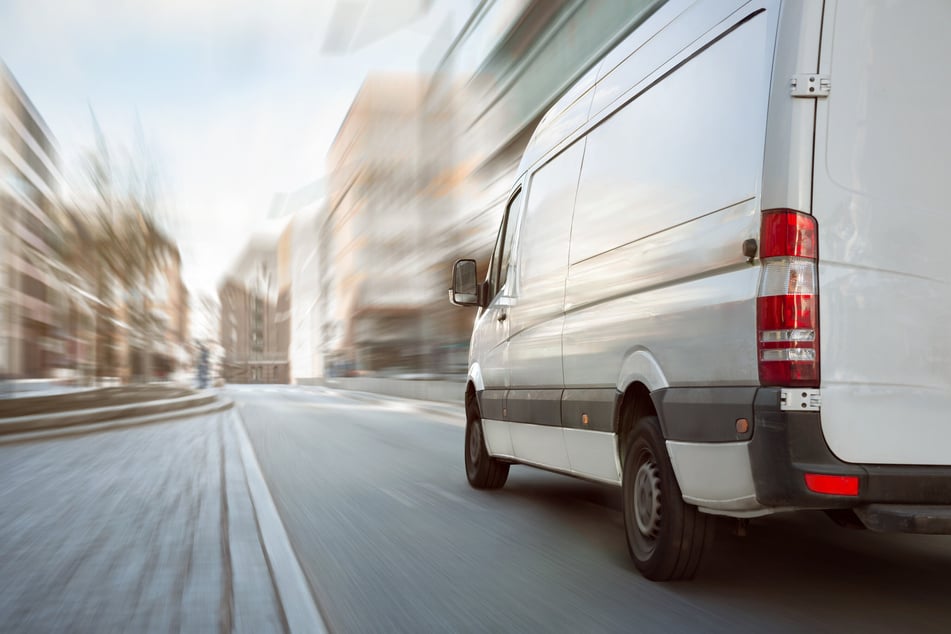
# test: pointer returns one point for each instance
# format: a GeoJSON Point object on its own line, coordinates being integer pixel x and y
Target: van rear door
{"type": "Point", "coordinates": [881, 191]}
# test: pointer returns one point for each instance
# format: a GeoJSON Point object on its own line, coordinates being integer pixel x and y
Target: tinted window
{"type": "Point", "coordinates": [498, 269]}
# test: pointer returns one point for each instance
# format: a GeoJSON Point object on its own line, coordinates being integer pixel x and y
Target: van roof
{"type": "Point", "coordinates": [568, 114]}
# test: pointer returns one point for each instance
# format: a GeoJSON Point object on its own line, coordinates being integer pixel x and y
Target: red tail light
{"type": "Point", "coordinates": [787, 309]}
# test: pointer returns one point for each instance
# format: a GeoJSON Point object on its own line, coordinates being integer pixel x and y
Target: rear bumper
{"type": "Point", "coordinates": [788, 444]}
{"type": "Point", "coordinates": [785, 445]}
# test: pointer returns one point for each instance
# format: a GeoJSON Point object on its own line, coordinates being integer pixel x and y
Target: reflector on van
{"type": "Point", "coordinates": [832, 484]}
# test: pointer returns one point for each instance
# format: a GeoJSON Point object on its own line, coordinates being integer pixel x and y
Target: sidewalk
{"type": "Point", "coordinates": [144, 529]}
{"type": "Point", "coordinates": [28, 388]}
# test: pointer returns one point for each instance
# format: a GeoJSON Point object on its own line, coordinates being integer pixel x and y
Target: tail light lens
{"type": "Point", "coordinates": [787, 306]}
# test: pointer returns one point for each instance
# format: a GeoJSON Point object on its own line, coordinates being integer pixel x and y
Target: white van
{"type": "Point", "coordinates": [721, 279]}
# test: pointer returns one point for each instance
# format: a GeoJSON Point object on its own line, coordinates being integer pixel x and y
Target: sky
{"type": "Point", "coordinates": [236, 99]}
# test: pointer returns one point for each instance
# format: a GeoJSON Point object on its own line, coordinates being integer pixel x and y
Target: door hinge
{"type": "Point", "coordinates": [802, 400]}
{"type": "Point", "coordinates": [810, 85]}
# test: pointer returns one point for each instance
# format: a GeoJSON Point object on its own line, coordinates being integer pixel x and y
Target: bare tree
{"type": "Point", "coordinates": [129, 245]}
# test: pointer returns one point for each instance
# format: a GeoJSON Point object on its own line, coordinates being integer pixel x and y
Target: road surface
{"type": "Point", "coordinates": [374, 498]}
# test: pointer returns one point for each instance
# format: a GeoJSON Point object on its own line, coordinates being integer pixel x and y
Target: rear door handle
{"type": "Point", "coordinates": [503, 316]}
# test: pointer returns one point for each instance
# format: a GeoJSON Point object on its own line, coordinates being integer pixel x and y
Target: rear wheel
{"type": "Point", "coordinates": [665, 536]}
{"type": "Point", "coordinates": [482, 470]}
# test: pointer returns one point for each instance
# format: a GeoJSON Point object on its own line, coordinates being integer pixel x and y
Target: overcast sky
{"type": "Point", "coordinates": [235, 97]}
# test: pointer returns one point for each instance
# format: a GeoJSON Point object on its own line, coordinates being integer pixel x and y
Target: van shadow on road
{"type": "Point", "coordinates": [797, 570]}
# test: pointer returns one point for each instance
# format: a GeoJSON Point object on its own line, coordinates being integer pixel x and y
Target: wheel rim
{"type": "Point", "coordinates": [475, 442]}
{"type": "Point", "coordinates": [647, 502]}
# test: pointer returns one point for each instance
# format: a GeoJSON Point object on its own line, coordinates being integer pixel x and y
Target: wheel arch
{"type": "Point", "coordinates": [474, 377]}
{"type": "Point", "coordinates": [634, 403]}
{"type": "Point", "coordinates": [472, 401]}
{"type": "Point", "coordinates": [475, 385]}
{"type": "Point", "coordinates": [640, 375]}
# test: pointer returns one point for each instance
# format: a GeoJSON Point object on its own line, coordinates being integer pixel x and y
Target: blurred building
{"type": "Point", "coordinates": [303, 209]}
{"type": "Point", "coordinates": [99, 346]}
{"type": "Point", "coordinates": [306, 358]}
{"type": "Point", "coordinates": [255, 313]}
{"type": "Point", "coordinates": [490, 88]}
{"type": "Point", "coordinates": [205, 331]}
{"type": "Point", "coordinates": [33, 307]}
{"type": "Point", "coordinates": [374, 234]}
{"type": "Point", "coordinates": [168, 307]}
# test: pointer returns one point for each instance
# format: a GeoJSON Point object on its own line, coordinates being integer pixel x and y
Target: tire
{"type": "Point", "coordinates": [482, 470]}
{"type": "Point", "coordinates": [665, 536]}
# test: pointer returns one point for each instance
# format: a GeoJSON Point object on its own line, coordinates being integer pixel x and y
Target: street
{"type": "Point", "coordinates": [163, 528]}
{"type": "Point", "coordinates": [374, 498]}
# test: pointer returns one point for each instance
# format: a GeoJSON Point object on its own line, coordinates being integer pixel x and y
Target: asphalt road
{"type": "Point", "coordinates": [374, 498]}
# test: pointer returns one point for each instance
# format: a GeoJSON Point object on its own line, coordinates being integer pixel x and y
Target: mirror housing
{"type": "Point", "coordinates": [465, 286]}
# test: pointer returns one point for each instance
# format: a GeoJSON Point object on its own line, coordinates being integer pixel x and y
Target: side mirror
{"type": "Point", "coordinates": [465, 288]}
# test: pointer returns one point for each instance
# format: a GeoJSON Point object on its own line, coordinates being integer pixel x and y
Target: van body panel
{"type": "Point", "coordinates": [636, 180]}
{"type": "Point", "coordinates": [541, 255]}
{"type": "Point", "coordinates": [490, 337]}
{"type": "Point", "coordinates": [540, 444]}
{"type": "Point", "coordinates": [679, 29]}
{"type": "Point", "coordinates": [498, 439]}
{"type": "Point", "coordinates": [640, 366]}
{"type": "Point", "coordinates": [683, 298]}
{"type": "Point", "coordinates": [731, 489]}
{"type": "Point", "coordinates": [490, 334]}
{"type": "Point", "coordinates": [656, 245]}
{"type": "Point", "coordinates": [474, 377]}
{"type": "Point", "coordinates": [881, 201]}
{"type": "Point", "coordinates": [593, 454]}
{"type": "Point", "coordinates": [699, 331]}
{"type": "Point", "coordinates": [790, 123]}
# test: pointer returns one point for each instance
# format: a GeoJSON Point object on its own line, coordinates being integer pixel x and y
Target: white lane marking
{"type": "Point", "coordinates": [292, 588]}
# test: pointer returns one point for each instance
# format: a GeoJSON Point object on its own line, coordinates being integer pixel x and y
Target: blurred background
{"type": "Point", "coordinates": [275, 192]}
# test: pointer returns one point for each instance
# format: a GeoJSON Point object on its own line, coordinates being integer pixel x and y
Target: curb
{"type": "Point", "coordinates": [105, 419]}
{"type": "Point", "coordinates": [294, 593]}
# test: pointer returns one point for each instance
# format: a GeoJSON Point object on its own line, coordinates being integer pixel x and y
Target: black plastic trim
{"type": "Point", "coordinates": [538, 407]}
{"type": "Point", "coordinates": [598, 404]}
{"type": "Point", "coordinates": [704, 414]}
{"type": "Point", "coordinates": [492, 404]}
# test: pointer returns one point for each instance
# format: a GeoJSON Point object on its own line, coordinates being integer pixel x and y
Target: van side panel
{"type": "Point", "coordinates": [536, 317]}
{"type": "Point", "coordinates": [669, 191]}
{"type": "Point", "coordinates": [674, 27]}
{"type": "Point", "coordinates": [882, 204]}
